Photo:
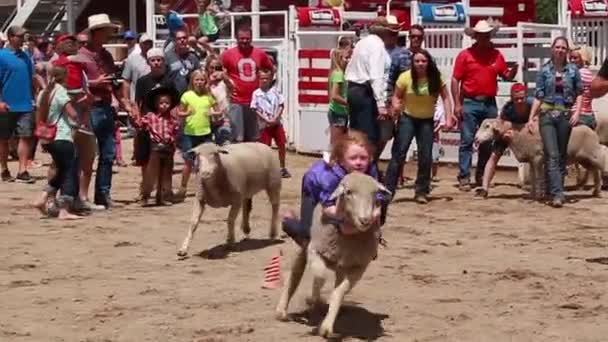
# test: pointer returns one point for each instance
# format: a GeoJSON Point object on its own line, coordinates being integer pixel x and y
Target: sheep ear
{"type": "Point", "coordinates": [383, 189]}
{"type": "Point", "coordinates": [337, 193]}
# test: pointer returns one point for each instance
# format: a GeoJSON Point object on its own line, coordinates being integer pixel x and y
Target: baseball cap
{"type": "Point", "coordinates": [15, 31]}
{"type": "Point", "coordinates": [129, 35]}
{"type": "Point", "coordinates": [144, 38]}
{"type": "Point", "coordinates": [65, 37]}
{"type": "Point", "coordinates": [155, 52]}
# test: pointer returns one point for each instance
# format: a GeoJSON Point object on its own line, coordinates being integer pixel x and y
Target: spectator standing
{"type": "Point", "coordinates": [269, 105]}
{"type": "Point", "coordinates": [242, 64]}
{"type": "Point", "coordinates": [174, 23]}
{"type": "Point", "coordinates": [474, 89]}
{"type": "Point", "coordinates": [135, 67]}
{"type": "Point", "coordinates": [16, 104]}
{"type": "Point", "coordinates": [220, 87]}
{"type": "Point", "coordinates": [100, 70]}
{"type": "Point", "coordinates": [581, 57]}
{"type": "Point", "coordinates": [181, 61]}
{"type": "Point", "coordinates": [366, 75]}
{"type": "Point", "coordinates": [130, 38]}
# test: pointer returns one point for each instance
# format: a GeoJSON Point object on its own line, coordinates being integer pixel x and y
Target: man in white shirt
{"type": "Point", "coordinates": [367, 74]}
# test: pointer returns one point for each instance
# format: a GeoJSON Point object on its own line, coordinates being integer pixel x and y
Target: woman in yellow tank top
{"type": "Point", "coordinates": [415, 97]}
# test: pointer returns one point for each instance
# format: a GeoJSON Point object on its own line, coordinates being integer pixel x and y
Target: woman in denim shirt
{"type": "Point", "coordinates": [558, 99]}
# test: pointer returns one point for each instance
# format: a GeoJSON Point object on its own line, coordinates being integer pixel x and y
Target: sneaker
{"type": "Point", "coordinates": [6, 176]}
{"type": "Point", "coordinates": [557, 202]}
{"type": "Point", "coordinates": [464, 185]}
{"type": "Point", "coordinates": [481, 193]}
{"type": "Point", "coordinates": [285, 173]}
{"type": "Point", "coordinates": [80, 205]}
{"type": "Point", "coordinates": [24, 177]}
{"type": "Point", "coordinates": [421, 199]}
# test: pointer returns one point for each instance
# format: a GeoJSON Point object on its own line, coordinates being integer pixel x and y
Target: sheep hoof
{"type": "Point", "coordinates": [314, 303]}
{"type": "Point", "coordinates": [597, 194]}
{"type": "Point", "coordinates": [182, 253]}
{"type": "Point", "coordinates": [281, 315]}
{"type": "Point", "coordinates": [326, 331]}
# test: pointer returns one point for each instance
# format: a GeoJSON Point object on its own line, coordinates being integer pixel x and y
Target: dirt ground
{"type": "Point", "coordinates": [458, 269]}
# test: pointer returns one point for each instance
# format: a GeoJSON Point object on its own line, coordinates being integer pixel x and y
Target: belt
{"type": "Point", "coordinates": [355, 84]}
{"type": "Point", "coordinates": [480, 98]}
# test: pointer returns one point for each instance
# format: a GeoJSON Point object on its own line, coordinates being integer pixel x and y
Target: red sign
{"type": "Point", "coordinates": [318, 16]}
{"type": "Point", "coordinates": [588, 8]}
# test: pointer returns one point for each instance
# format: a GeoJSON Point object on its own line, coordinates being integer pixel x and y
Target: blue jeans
{"type": "Point", "coordinates": [62, 152]}
{"type": "Point", "coordinates": [363, 111]}
{"type": "Point", "coordinates": [300, 228]}
{"type": "Point", "coordinates": [102, 122]}
{"type": "Point", "coordinates": [422, 130]}
{"type": "Point", "coordinates": [473, 114]}
{"type": "Point", "coordinates": [554, 127]}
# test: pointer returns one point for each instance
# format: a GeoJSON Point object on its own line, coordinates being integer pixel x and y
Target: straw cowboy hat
{"type": "Point", "coordinates": [97, 21]}
{"type": "Point", "coordinates": [388, 23]}
{"type": "Point", "coordinates": [482, 26]}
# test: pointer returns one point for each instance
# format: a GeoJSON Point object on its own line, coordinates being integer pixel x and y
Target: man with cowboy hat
{"type": "Point", "coordinates": [100, 71]}
{"type": "Point", "coordinates": [474, 90]}
{"type": "Point", "coordinates": [366, 75]}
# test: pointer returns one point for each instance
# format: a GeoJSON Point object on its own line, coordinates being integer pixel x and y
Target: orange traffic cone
{"type": "Point", "coordinates": [272, 273]}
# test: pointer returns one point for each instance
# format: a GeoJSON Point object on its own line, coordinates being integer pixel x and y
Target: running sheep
{"type": "Point", "coordinates": [229, 176]}
{"type": "Point", "coordinates": [346, 255]}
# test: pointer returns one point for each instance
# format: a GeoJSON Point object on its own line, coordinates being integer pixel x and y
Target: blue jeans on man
{"type": "Point", "coordinates": [102, 122]}
{"type": "Point", "coordinates": [474, 111]}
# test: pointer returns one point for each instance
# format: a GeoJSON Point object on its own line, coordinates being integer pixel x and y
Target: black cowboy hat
{"type": "Point", "coordinates": [162, 90]}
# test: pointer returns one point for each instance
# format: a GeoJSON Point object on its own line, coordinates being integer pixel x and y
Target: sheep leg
{"type": "Point", "coordinates": [339, 278]}
{"type": "Point", "coordinates": [319, 270]}
{"type": "Point", "coordinates": [293, 281]}
{"type": "Point", "coordinates": [533, 183]}
{"type": "Point", "coordinates": [274, 195]}
{"type": "Point", "coordinates": [197, 213]}
{"type": "Point", "coordinates": [234, 212]}
{"type": "Point", "coordinates": [597, 182]}
{"type": "Point", "coordinates": [582, 175]}
{"type": "Point", "coordinates": [335, 301]}
{"type": "Point", "coordinates": [245, 227]}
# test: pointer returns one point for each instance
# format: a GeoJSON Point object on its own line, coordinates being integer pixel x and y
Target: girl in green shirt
{"type": "Point", "coordinates": [338, 107]}
{"type": "Point", "coordinates": [207, 23]}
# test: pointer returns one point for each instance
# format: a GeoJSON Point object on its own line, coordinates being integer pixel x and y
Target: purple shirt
{"type": "Point", "coordinates": [322, 179]}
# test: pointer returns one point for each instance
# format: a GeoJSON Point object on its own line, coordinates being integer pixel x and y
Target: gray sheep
{"type": "Point", "coordinates": [347, 256]}
{"type": "Point", "coordinates": [230, 176]}
{"type": "Point", "coordinates": [583, 148]}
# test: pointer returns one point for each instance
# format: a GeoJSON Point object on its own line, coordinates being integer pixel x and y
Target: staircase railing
{"type": "Point", "coordinates": [9, 20]}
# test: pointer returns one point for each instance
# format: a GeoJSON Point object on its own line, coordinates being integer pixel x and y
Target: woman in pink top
{"type": "Point", "coordinates": [582, 59]}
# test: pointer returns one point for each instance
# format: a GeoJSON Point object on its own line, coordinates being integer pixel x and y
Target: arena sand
{"type": "Point", "coordinates": [458, 269]}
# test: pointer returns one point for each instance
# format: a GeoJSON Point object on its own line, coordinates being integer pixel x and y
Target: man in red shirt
{"type": "Point", "coordinates": [242, 64]}
{"type": "Point", "coordinates": [474, 90]}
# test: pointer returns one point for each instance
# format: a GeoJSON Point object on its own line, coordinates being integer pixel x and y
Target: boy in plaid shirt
{"type": "Point", "coordinates": [268, 104]}
{"type": "Point", "coordinates": [163, 128]}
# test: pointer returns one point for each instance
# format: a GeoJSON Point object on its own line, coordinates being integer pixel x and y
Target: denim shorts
{"type": "Point", "coordinates": [337, 119]}
{"type": "Point", "coordinates": [191, 141]}
{"type": "Point", "coordinates": [20, 125]}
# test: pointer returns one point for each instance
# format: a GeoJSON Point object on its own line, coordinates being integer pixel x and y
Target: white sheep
{"type": "Point", "coordinates": [230, 176]}
{"type": "Point", "coordinates": [583, 148]}
{"type": "Point", "coordinates": [347, 256]}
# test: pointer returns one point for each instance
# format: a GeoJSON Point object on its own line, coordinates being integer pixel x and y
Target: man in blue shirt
{"type": "Point", "coordinates": [16, 104]}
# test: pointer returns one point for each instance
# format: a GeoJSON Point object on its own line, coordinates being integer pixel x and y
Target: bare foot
{"type": "Point", "coordinates": [41, 206]}
{"type": "Point", "coordinates": [69, 217]}
{"type": "Point", "coordinates": [289, 214]}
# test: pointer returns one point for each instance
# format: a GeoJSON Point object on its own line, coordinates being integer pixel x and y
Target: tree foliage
{"type": "Point", "coordinates": [546, 11]}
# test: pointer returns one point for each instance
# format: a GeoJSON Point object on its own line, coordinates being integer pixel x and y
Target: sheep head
{"type": "Point", "coordinates": [207, 157]}
{"type": "Point", "coordinates": [356, 199]}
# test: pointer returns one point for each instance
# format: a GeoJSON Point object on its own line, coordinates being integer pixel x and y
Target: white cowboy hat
{"type": "Point", "coordinates": [388, 23]}
{"type": "Point", "coordinates": [97, 21]}
{"type": "Point", "coordinates": [482, 26]}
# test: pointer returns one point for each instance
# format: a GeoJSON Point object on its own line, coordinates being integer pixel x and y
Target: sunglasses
{"type": "Point", "coordinates": [416, 36]}
{"type": "Point", "coordinates": [217, 68]}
